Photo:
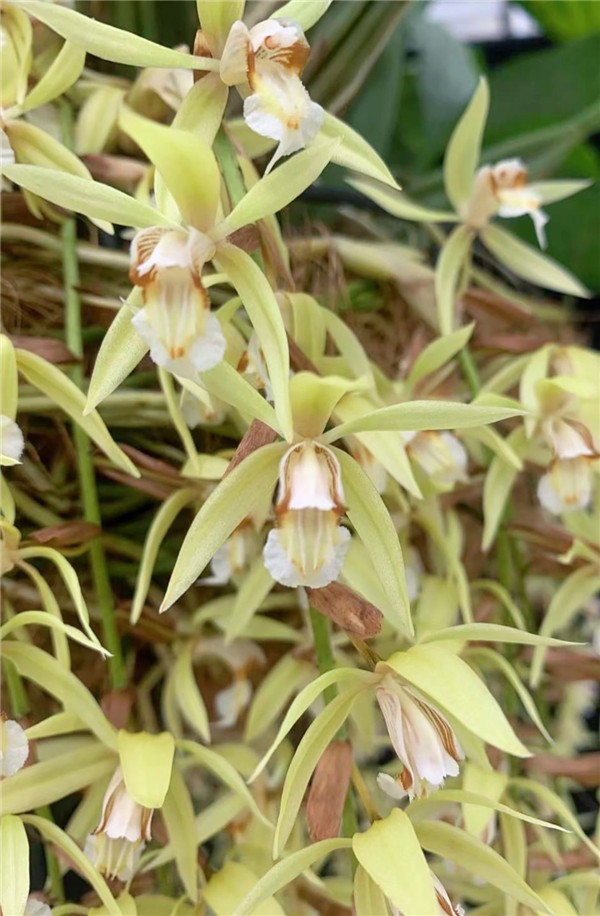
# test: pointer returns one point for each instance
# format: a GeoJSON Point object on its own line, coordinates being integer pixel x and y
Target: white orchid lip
{"type": "Point", "coordinates": [270, 57]}
{"type": "Point", "coordinates": [502, 190]}
{"type": "Point", "coordinates": [308, 545]}
{"type": "Point", "coordinates": [14, 747]}
{"type": "Point", "coordinates": [567, 485]}
{"type": "Point", "coordinates": [442, 457]}
{"type": "Point", "coordinates": [421, 736]}
{"type": "Point", "coordinates": [124, 829]}
{"type": "Point", "coordinates": [176, 322]}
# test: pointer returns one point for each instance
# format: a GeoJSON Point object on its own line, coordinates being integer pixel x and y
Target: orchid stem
{"type": "Point", "coordinates": [52, 864]}
{"type": "Point", "coordinates": [323, 651]}
{"type": "Point", "coordinates": [19, 702]}
{"type": "Point", "coordinates": [85, 461]}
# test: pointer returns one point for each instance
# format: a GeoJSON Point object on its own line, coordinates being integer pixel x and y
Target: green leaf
{"type": "Point", "coordinates": [368, 898]}
{"type": "Point", "coordinates": [109, 43]}
{"type": "Point", "coordinates": [286, 871]}
{"type": "Point", "coordinates": [570, 597]}
{"type": "Point", "coordinates": [391, 854]}
{"type": "Point", "coordinates": [226, 383]}
{"type": "Point", "coordinates": [232, 884]}
{"type": "Point", "coordinates": [453, 686]}
{"type": "Point", "coordinates": [189, 698]}
{"type": "Point", "coordinates": [422, 808]}
{"type": "Point", "coordinates": [478, 859]}
{"type": "Point", "coordinates": [60, 642]}
{"type": "Point", "coordinates": [498, 483]}
{"type": "Point", "coordinates": [84, 866]}
{"type": "Point", "coordinates": [186, 164]}
{"type": "Point", "coordinates": [43, 619]}
{"type": "Point", "coordinates": [464, 149]}
{"type": "Point", "coordinates": [14, 870]}
{"type": "Point", "coordinates": [261, 305]}
{"type": "Point", "coordinates": [201, 110]}
{"type": "Point", "coordinates": [493, 632]}
{"type": "Point", "coordinates": [251, 593]}
{"type": "Point", "coordinates": [279, 188]}
{"type": "Point", "coordinates": [37, 666]}
{"type": "Point", "coordinates": [550, 191]}
{"type": "Point", "coordinates": [47, 782]}
{"type": "Point", "coordinates": [398, 204]}
{"type": "Point", "coordinates": [529, 264]}
{"type": "Point", "coordinates": [81, 195]}
{"type": "Point", "coordinates": [451, 261]}
{"type": "Point", "coordinates": [550, 799]}
{"type": "Point", "coordinates": [65, 69]}
{"type": "Point", "coordinates": [9, 382]}
{"type": "Point", "coordinates": [161, 523]}
{"type": "Point", "coordinates": [565, 21]}
{"type": "Point", "coordinates": [495, 443]}
{"type": "Point", "coordinates": [307, 755]}
{"type": "Point", "coordinates": [430, 415]}
{"type": "Point", "coordinates": [61, 723]}
{"type": "Point", "coordinates": [304, 12]}
{"type": "Point", "coordinates": [121, 350]}
{"type": "Point", "coordinates": [273, 694]}
{"type": "Point", "coordinates": [226, 772]}
{"type": "Point", "coordinates": [304, 700]}
{"type": "Point", "coordinates": [147, 763]}
{"type": "Point", "coordinates": [236, 497]}
{"type": "Point", "coordinates": [178, 814]}
{"type": "Point", "coordinates": [353, 152]}
{"type": "Point", "coordinates": [438, 353]}
{"type": "Point", "coordinates": [375, 528]}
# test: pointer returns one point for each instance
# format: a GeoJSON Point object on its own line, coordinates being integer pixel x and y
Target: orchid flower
{"type": "Point", "coordinates": [14, 747]}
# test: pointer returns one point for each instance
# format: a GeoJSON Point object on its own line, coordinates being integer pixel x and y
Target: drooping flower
{"type": "Point", "coordinates": [502, 190]}
{"type": "Point", "coordinates": [234, 555]}
{"type": "Point", "coordinates": [242, 657]}
{"type": "Point", "coordinates": [270, 58]}
{"type": "Point", "coordinates": [11, 441]}
{"type": "Point", "coordinates": [308, 545]}
{"type": "Point", "coordinates": [176, 321]}
{"type": "Point", "coordinates": [14, 747]}
{"type": "Point", "coordinates": [441, 456]}
{"type": "Point", "coordinates": [124, 829]}
{"type": "Point", "coordinates": [422, 738]}
{"type": "Point", "coordinates": [35, 907]}
{"type": "Point", "coordinates": [567, 485]}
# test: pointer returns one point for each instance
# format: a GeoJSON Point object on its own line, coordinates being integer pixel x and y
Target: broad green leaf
{"type": "Point", "coordinates": [353, 152]}
{"type": "Point", "coordinates": [550, 799]}
{"type": "Point", "coordinates": [430, 415]}
{"type": "Point", "coordinates": [489, 658]}
{"type": "Point", "coordinates": [55, 778]}
{"type": "Point", "coordinates": [226, 383]}
{"type": "Point", "coordinates": [43, 619]}
{"type": "Point", "coordinates": [216, 18]}
{"type": "Point", "coordinates": [224, 771]}
{"type": "Point", "coordinates": [557, 902]}
{"type": "Point", "coordinates": [307, 755]}
{"type": "Point", "coordinates": [110, 43]}
{"type": "Point", "coordinates": [273, 694]}
{"type": "Point", "coordinates": [570, 597]}
{"type": "Point", "coordinates": [494, 632]}
{"type": "Point", "coordinates": [230, 886]}
{"type": "Point", "coordinates": [161, 523]}
{"type": "Point", "coordinates": [37, 666]}
{"type": "Point", "coordinates": [421, 809]}
{"type": "Point", "coordinates": [529, 264]}
{"type": "Point", "coordinates": [398, 204]}
{"type": "Point", "coordinates": [59, 388]}
{"type": "Point", "coordinates": [391, 854]}
{"type": "Point", "coordinates": [178, 814]}
{"type": "Point", "coordinates": [201, 110]}
{"type": "Point", "coordinates": [147, 763]}
{"type": "Point", "coordinates": [305, 699]}
{"type": "Point", "coordinates": [9, 382]}
{"type": "Point", "coordinates": [186, 164]}
{"type": "Point", "coordinates": [121, 350]}
{"type": "Point", "coordinates": [438, 353]}
{"type": "Point", "coordinates": [84, 866]}
{"type": "Point", "coordinates": [453, 686]}
{"type": "Point", "coordinates": [65, 69]}
{"type": "Point", "coordinates": [287, 870]}
{"type": "Point", "coordinates": [470, 853]}
{"type": "Point", "coordinates": [14, 865]}
{"type": "Point", "coordinates": [498, 483]}
{"type": "Point", "coordinates": [251, 593]}
{"type": "Point", "coordinates": [189, 698]}
{"type": "Point", "coordinates": [259, 301]}
{"type": "Point", "coordinates": [81, 195]}
{"type": "Point", "coordinates": [304, 12]}
{"type": "Point", "coordinates": [236, 497]}
{"type": "Point", "coordinates": [451, 261]}
{"type": "Point", "coordinates": [279, 188]}
{"type": "Point", "coordinates": [375, 528]}
{"type": "Point", "coordinates": [368, 898]}
{"type": "Point", "coordinates": [464, 149]}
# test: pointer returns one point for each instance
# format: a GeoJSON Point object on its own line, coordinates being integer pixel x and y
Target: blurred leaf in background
{"type": "Point", "coordinates": [565, 19]}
